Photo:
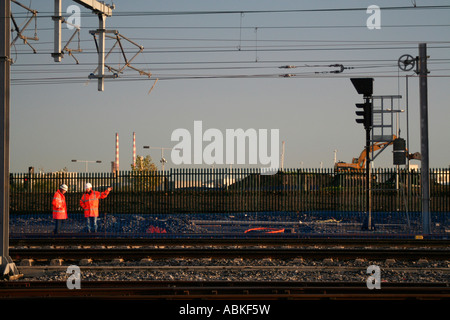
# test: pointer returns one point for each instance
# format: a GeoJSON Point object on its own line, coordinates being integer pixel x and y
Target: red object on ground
{"type": "Point", "coordinates": [265, 230]}
{"type": "Point", "coordinates": [153, 229]}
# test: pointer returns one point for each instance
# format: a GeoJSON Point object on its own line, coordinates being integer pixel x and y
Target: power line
{"type": "Point", "coordinates": [217, 12]}
{"type": "Point", "coordinates": [251, 49]}
{"type": "Point", "coordinates": [278, 11]}
{"type": "Point", "coordinates": [184, 27]}
{"type": "Point", "coordinates": [303, 75]}
{"type": "Point", "coordinates": [262, 45]}
{"type": "Point", "coordinates": [178, 78]}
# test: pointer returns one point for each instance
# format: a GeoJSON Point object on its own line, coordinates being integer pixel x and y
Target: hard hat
{"type": "Point", "coordinates": [88, 186]}
{"type": "Point", "coordinates": [64, 187]}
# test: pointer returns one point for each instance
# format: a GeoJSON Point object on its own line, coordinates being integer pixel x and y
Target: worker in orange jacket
{"type": "Point", "coordinates": [89, 202]}
{"type": "Point", "coordinates": [59, 207]}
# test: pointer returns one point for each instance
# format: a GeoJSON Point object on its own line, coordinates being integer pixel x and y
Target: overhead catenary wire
{"type": "Point", "coordinates": [242, 45]}
{"type": "Point", "coordinates": [210, 27]}
{"type": "Point", "coordinates": [307, 75]}
{"type": "Point", "coordinates": [262, 66]}
{"type": "Point", "coordinates": [240, 12]}
{"type": "Point", "coordinates": [252, 49]}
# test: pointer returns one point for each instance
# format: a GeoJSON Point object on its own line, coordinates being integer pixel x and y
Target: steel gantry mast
{"type": "Point", "coordinates": [7, 266]}
{"type": "Point", "coordinates": [102, 10]}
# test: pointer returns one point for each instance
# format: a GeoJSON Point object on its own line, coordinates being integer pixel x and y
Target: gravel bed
{"type": "Point", "coordinates": [241, 269]}
{"type": "Point", "coordinates": [325, 270]}
{"type": "Point", "coordinates": [234, 223]}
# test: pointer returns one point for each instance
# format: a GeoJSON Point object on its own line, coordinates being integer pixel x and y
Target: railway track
{"type": "Point", "coordinates": [220, 290]}
{"type": "Point", "coordinates": [157, 252]}
{"type": "Point", "coordinates": [178, 294]}
{"type": "Point", "coordinates": [73, 240]}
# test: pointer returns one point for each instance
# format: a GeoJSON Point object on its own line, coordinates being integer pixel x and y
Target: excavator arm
{"type": "Point", "coordinates": [360, 162]}
{"type": "Point", "coordinates": [376, 146]}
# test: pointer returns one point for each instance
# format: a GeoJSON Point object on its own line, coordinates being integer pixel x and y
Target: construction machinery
{"type": "Point", "coordinates": [359, 164]}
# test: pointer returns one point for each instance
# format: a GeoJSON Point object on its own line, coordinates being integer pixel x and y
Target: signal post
{"type": "Point", "coordinates": [364, 86]}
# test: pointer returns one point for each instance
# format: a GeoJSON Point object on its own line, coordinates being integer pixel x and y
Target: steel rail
{"type": "Point", "coordinates": [68, 240]}
{"type": "Point", "coordinates": [219, 290]}
{"type": "Point", "coordinates": [242, 252]}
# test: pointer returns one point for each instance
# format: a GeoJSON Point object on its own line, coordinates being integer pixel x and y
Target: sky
{"type": "Point", "coordinates": [219, 62]}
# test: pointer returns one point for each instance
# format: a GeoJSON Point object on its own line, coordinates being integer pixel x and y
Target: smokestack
{"type": "Point", "coordinates": [117, 153]}
{"type": "Point", "coordinates": [134, 149]}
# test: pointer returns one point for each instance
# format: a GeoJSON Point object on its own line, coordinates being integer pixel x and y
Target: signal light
{"type": "Point", "coordinates": [366, 120]}
{"type": "Point", "coordinates": [399, 151]}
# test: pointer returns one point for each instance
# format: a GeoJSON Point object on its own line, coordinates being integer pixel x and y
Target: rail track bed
{"type": "Point", "coordinates": [101, 249]}
{"type": "Point", "coordinates": [280, 253]}
{"type": "Point", "coordinates": [179, 270]}
{"type": "Point", "coordinates": [219, 290]}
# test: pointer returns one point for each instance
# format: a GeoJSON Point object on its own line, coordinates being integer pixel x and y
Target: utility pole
{"type": "Point", "coordinates": [423, 86]}
{"type": "Point", "coordinates": [406, 63]}
{"type": "Point", "coordinates": [7, 266]}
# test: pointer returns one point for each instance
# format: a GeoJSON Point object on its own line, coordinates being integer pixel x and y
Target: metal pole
{"type": "Point", "coordinates": [101, 52]}
{"type": "Point", "coordinates": [408, 175]}
{"type": "Point", "coordinates": [407, 119]}
{"type": "Point", "coordinates": [423, 83]}
{"type": "Point", "coordinates": [368, 182]}
{"type": "Point", "coordinates": [57, 18]}
{"type": "Point", "coordinates": [7, 266]}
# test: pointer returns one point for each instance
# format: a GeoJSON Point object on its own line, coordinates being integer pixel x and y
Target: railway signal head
{"type": "Point", "coordinates": [363, 86]}
{"type": "Point", "coordinates": [366, 114]}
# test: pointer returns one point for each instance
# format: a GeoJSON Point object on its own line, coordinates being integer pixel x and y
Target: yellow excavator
{"type": "Point", "coordinates": [360, 163]}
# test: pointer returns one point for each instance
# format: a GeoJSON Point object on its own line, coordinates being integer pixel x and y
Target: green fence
{"type": "Point", "coordinates": [233, 190]}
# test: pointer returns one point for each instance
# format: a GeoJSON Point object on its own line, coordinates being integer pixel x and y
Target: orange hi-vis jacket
{"type": "Point", "coordinates": [59, 206]}
{"type": "Point", "coordinates": [89, 202]}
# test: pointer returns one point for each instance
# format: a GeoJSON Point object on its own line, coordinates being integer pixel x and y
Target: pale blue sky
{"type": "Point", "coordinates": [57, 115]}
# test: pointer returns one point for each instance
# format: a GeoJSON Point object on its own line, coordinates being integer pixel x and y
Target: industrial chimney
{"type": "Point", "coordinates": [134, 149]}
{"type": "Point", "coordinates": [116, 169]}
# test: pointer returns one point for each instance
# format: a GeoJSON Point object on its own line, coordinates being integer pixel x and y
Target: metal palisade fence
{"type": "Point", "coordinates": [233, 190]}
